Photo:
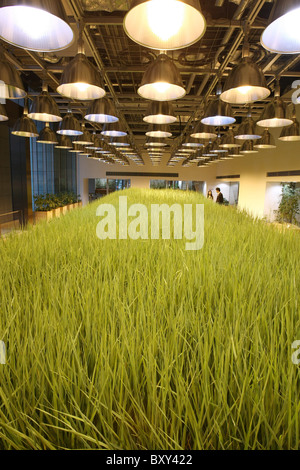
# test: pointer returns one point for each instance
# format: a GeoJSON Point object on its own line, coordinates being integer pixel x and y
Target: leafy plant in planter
{"type": "Point", "coordinates": [289, 206]}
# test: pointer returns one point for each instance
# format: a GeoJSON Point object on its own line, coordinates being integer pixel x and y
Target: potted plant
{"type": "Point", "coordinates": [79, 201]}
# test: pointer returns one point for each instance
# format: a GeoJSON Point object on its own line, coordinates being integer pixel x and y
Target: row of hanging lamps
{"type": "Point", "coordinates": [44, 108]}
{"type": "Point", "coordinates": [81, 80]}
{"type": "Point", "coordinates": [202, 131]}
{"type": "Point", "coordinates": [70, 125]}
{"type": "Point", "coordinates": [282, 35]}
{"type": "Point", "coordinates": [115, 129]}
{"type": "Point", "coordinates": [274, 113]}
{"type": "Point", "coordinates": [165, 24]}
{"type": "Point", "coordinates": [159, 131]}
{"type": "Point", "coordinates": [64, 143]}
{"type": "Point", "coordinates": [102, 111]}
{"type": "Point", "coordinates": [11, 85]}
{"type": "Point", "coordinates": [267, 141]}
{"type": "Point", "coordinates": [160, 112]}
{"type": "Point", "coordinates": [47, 136]}
{"type": "Point", "coordinates": [218, 113]}
{"type": "Point", "coordinates": [246, 83]}
{"type": "Point", "coordinates": [24, 126]}
{"type": "Point", "coordinates": [3, 114]}
{"type": "Point", "coordinates": [35, 25]}
{"type": "Point", "coordinates": [162, 81]}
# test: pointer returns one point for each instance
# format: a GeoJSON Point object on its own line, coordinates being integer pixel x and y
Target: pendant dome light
{"type": "Point", "coordinates": [246, 82]}
{"type": "Point", "coordinates": [165, 24]}
{"type": "Point", "coordinates": [218, 112]}
{"type": "Point", "coordinates": [154, 142]}
{"type": "Point", "coordinates": [123, 142]}
{"type": "Point", "coordinates": [102, 111]}
{"type": "Point", "coordinates": [216, 146]}
{"type": "Point", "coordinates": [64, 143]}
{"type": "Point", "coordinates": [248, 148]}
{"type": "Point", "coordinates": [291, 133]}
{"type": "Point", "coordinates": [77, 148]}
{"type": "Point", "coordinates": [274, 114]}
{"type": "Point", "coordinates": [44, 108]}
{"type": "Point", "coordinates": [162, 81]}
{"type": "Point", "coordinates": [35, 25]}
{"type": "Point", "coordinates": [228, 141]}
{"type": "Point", "coordinates": [160, 112]}
{"type": "Point", "coordinates": [191, 142]}
{"type": "Point", "coordinates": [69, 125]}
{"type": "Point", "coordinates": [85, 138]}
{"type": "Point", "coordinates": [115, 129]}
{"type": "Point", "coordinates": [11, 85]}
{"type": "Point", "coordinates": [282, 35]}
{"type": "Point", "coordinates": [267, 141]}
{"type": "Point", "coordinates": [203, 132]}
{"type": "Point", "coordinates": [159, 131]}
{"type": "Point", "coordinates": [24, 126]}
{"type": "Point", "coordinates": [95, 144]}
{"type": "Point", "coordinates": [47, 136]}
{"type": "Point", "coordinates": [3, 114]}
{"type": "Point", "coordinates": [235, 153]}
{"type": "Point", "coordinates": [81, 80]}
{"type": "Point", "coordinates": [247, 130]}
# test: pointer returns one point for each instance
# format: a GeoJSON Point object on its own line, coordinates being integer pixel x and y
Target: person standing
{"type": "Point", "coordinates": [210, 195]}
{"type": "Point", "coordinates": [220, 197]}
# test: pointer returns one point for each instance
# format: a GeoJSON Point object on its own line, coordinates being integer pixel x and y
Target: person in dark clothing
{"type": "Point", "coordinates": [220, 197]}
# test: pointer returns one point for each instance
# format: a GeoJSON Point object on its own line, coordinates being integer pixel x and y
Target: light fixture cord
{"type": "Point", "coordinates": [81, 49]}
{"type": "Point", "coordinates": [246, 46]}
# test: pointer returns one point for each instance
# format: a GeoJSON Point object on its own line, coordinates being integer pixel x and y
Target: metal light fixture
{"type": "Point", "coordinates": [35, 25]}
{"type": "Point", "coordinates": [235, 153]}
{"type": "Point", "coordinates": [247, 130]}
{"type": "Point", "coordinates": [44, 108]}
{"type": "Point", "coordinates": [123, 142]}
{"type": "Point", "coordinates": [216, 146]}
{"type": "Point", "coordinates": [96, 143]}
{"type": "Point", "coordinates": [274, 114]}
{"type": "Point", "coordinates": [191, 142]}
{"type": "Point", "coordinates": [11, 85]}
{"type": "Point", "coordinates": [85, 138]}
{"type": "Point", "coordinates": [291, 133]}
{"type": "Point", "coordinates": [64, 143]}
{"type": "Point", "coordinates": [159, 131]}
{"type": "Point", "coordinates": [248, 148]}
{"type": "Point", "coordinates": [47, 136]}
{"type": "Point", "coordinates": [246, 82]}
{"type": "Point", "coordinates": [69, 125]}
{"type": "Point", "coordinates": [160, 112]}
{"type": "Point", "coordinates": [266, 142]}
{"type": "Point", "coordinates": [228, 141]}
{"type": "Point", "coordinates": [102, 111]}
{"type": "Point", "coordinates": [77, 148]}
{"type": "Point", "coordinates": [282, 35]}
{"type": "Point", "coordinates": [3, 114]}
{"type": "Point", "coordinates": [24, 126]}
{"type": "Point", "coordinates": [203, 132]}
{"type": "Point", "coordinates": [156, 143]}
{"type": "Point", "coordinates": [218, 112]}
{"type": "Point", "coordinates": [81, 80]}
{"type": "Point", "coordinates": [162, 81]}
{"type": "Point", "coordinates": [115, 129]}
{"type": "Point", "coordinates": [165, 25]}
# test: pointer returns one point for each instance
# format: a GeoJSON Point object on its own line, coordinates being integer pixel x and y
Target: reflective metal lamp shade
{"type": "Point", "coordinates": [160, 112]}
{"type": "Point", "coordinates": [159, 131]}
{"type": "Point", "coordinates": [64, 143]}
{"type": "Point", "coordinates": [274, 115]}
{"type": "Point", "coordinates": [25, 127]}
{"type": "Point", "coordinates": [165, 25]}
{"type": "Point", "coordinates": [266, 142]}
{"type": "Point", "coordinates": [282, 35]}
{"type": "Point", "coordinates": [245, 84]}
{"type": "Point", "coordinates": [162, 81]}
{"type": "Point", "coordinates": [218, 113]}
{"type": "Point", "coordinates": [248, 148]}
{"type": "Point", "coordinates": [85, 138]}
{"type": "Point", "coordinates": [36, 25]}
{"type": "Point", "coordinates": [156, 143]}
{"type": "Point", "coordinates": [291, 133]}
{"type": "Point", "coordinates": [191, 142]}
{"type": "Point", "coordinates": [247, 130]}
{"type": "Point", "coordinates": [3, 114]}
{"type": "Point", "coordinates": [114, 130]}
{"type": "Point", "coordinates": [102, 111]}
{"type": "Point", "coordinates": [81, 80]}
{"type": "Point", "coordinates": [47, 136]}
{"type": "Point", "coordinates": [202, 131]}
{"type": "Point", "coordinates": [11, 85]}
{"type": "Point", "coordinates": [44, 108]}
{"type": "Point", "coordinates": [228, 141]}
{"type": "Point", "coordinates": [70, 126]}
{"type": "Point", "coordinates": [123, 142]}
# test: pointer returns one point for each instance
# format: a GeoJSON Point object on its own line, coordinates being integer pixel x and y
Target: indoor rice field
{"type": "Point", "coordinates": [137, 345]}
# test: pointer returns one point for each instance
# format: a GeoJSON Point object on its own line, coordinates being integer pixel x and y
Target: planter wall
{"type": "Point", "coordinates": [55, 213]}
{"type": "Point", "coordinates": [39, 216]}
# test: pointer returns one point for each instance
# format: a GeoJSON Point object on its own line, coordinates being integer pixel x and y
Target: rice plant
{"type": "Point", "coordinates": [137, 345]}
